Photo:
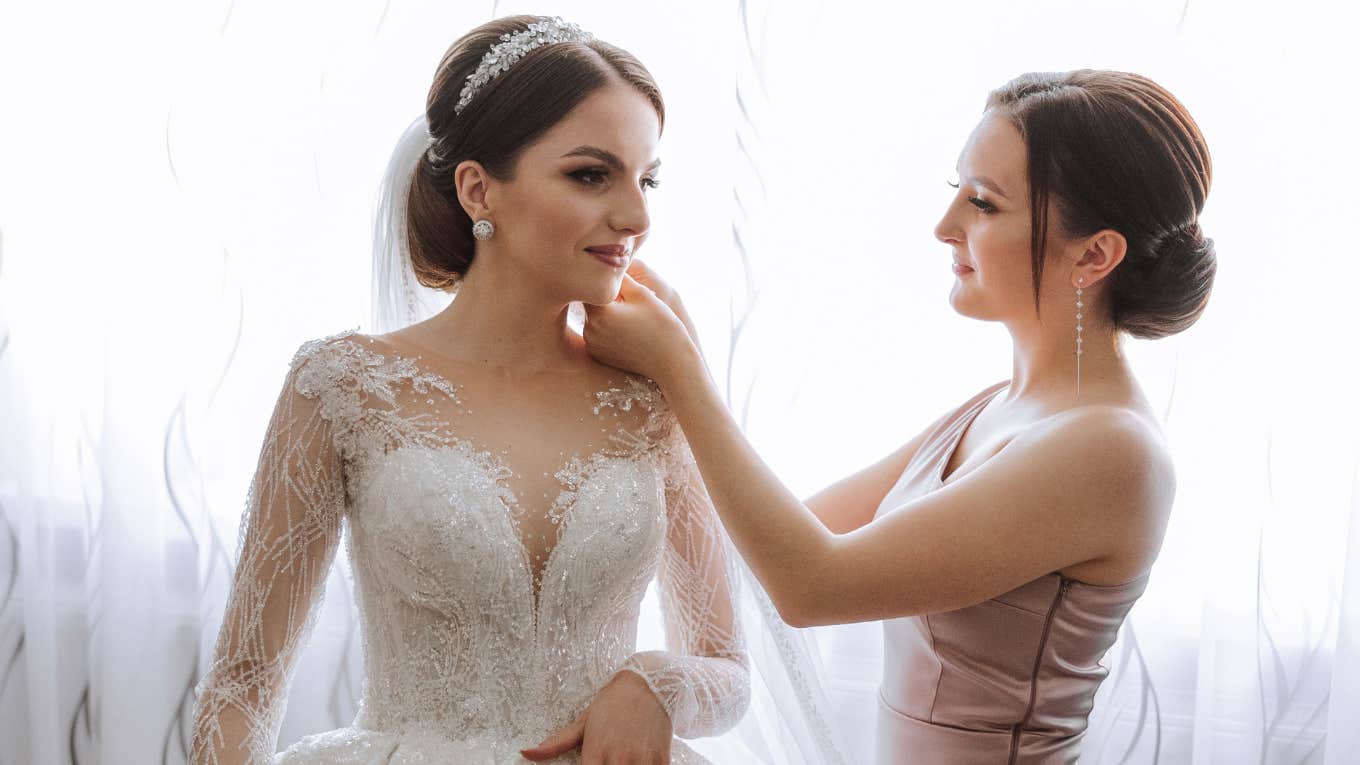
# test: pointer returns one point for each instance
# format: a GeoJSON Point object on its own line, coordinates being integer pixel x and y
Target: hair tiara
{"type": "Point", "coordinates": [513, 47]}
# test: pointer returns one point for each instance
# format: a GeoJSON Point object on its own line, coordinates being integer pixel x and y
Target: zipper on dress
{"type": "Point", "coordinates": [1063, 583]}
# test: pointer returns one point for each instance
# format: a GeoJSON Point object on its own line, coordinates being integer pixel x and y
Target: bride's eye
{"type": "Point", "coordinates": [590, 176]}
{"type": "Point", "coordinates": [648, 182]}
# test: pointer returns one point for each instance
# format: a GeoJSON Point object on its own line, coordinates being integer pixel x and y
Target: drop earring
{"type": "Point", "coordinates": [1080, 281]}
{"type": "Point", "coordinates": [483, 230]}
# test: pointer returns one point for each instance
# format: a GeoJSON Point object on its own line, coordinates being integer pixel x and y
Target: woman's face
{"type": "Point", "coordinates": [574, 212]}
{"type": "Point", "coordinates": [988, 226]}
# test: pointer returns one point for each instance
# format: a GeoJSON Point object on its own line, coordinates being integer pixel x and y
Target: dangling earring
{"type": "Point", "coordinates": [1080, 281]}
{"type": "Point", "coordinates": [483, 230]}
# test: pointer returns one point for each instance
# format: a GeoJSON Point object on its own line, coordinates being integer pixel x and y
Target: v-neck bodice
{"type": "Point", "coordinates": [501, 548]}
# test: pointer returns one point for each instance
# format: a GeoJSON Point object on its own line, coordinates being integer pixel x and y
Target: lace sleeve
{"type": "Point", "coordinates": [702, 679]}
{"type": "Point", "coordinates": [289, 534]}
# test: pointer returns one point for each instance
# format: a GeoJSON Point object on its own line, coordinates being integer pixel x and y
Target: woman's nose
{"type": "Point", "coordinates": [631, 214]}
{"type": "Point", "coordinates": [946, 231]}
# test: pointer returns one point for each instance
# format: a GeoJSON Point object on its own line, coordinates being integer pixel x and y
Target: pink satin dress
{"type": "Point", "coordinates": [1008, 680]}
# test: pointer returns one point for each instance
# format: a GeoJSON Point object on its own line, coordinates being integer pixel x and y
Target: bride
{"type": "Point", "coordinates": [506, 498]}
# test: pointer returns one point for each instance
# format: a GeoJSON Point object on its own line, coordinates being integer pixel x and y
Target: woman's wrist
{"type": "Point", "coordinates": [683, 364]}
{"type": "Point", "coordinates": [677, 307]}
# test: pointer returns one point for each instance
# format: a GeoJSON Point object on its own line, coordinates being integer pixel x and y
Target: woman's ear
{"type": "Point", "coordinates": [1102, 251]}
{"type": "Point", "coordinates": [472, 182]}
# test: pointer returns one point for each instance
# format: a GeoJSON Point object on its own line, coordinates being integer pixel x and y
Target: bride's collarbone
{"type": "Point", "coordinates": [511, 393]}
{"type": "Point", "coordinates": [453, 362]}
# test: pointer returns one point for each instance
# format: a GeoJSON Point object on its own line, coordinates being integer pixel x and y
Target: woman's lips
{"type": "Point", "coordinates": [960, 269]}
{"type": "Point", "coordinates": [613, 255]}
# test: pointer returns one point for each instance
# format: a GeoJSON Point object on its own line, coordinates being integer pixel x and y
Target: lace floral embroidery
{"type": "Point", "coordinates": [462, 646]}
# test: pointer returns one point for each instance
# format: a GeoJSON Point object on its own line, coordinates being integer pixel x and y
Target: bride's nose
{"type": "Point", "coordinates": [630, 214]}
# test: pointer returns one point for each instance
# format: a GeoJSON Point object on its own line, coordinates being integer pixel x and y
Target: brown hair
{"type": "Point", "coordinates": [1117, 151]}
{"type": "Point", "coordinates": [505, 116]}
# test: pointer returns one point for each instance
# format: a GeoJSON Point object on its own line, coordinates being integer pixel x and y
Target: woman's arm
{"type": "Point", "coordinates": [843, 506]}
{"type": "Point", "coordinates": [851, 502]}
{"type": "Point", "coordinates": [291, 529]}
{"type": "Point", "coordinates": [1075, 490]}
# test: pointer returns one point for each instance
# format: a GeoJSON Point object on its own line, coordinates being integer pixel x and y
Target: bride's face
{"type": "Point", "coordinates": [987, 225]}
{"type": "Point", "coordinates": [574, 212]}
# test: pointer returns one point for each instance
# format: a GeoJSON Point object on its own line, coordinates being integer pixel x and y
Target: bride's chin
{"type": "Point", "coordinates": [603, 294]}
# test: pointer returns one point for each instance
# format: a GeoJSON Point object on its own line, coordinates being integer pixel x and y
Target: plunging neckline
{"type": "Point", "coordinates": [582, 468]}
{"type": "Point", "coordinates": [496, 470]}
{"type": "Point", "coordinates": [961, 428]}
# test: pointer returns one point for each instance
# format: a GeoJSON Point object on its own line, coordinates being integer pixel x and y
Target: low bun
{"type": "Point", "coordinates": [1162, 288]}
{"type": "Point", "coordinates": [1117, 151]}
{"type": "Point", "coordinates": [438, 231]}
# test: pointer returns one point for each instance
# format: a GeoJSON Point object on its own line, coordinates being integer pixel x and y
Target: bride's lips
{"type": "Point", "coordinates": [960, 269]}
{"type": "Point", "coordinates": [615, 255]}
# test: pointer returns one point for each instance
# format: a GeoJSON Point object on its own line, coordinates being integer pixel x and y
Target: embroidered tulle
{"type": "Point", "coordinates": [499, 564]}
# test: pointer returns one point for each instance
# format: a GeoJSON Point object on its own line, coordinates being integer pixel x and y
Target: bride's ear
{"type": "Point", "coordinates": [472, 182]}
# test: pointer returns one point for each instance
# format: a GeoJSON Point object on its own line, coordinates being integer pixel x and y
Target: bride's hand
{"type": "Point", "coordinates": [624, 723]}
{"type": "Point", "coordinates": [638, 332]}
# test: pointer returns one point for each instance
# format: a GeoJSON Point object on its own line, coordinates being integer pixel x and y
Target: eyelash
{"type": "Point", "coordinates": [595, 172]}
{"type": "Point", "coordinates": [978, 202]}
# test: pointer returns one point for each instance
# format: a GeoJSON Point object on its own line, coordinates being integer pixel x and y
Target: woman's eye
{"type": "Point", "coordinates": [590, 176]}
{"type": "Point", "coordinates": [982, 204]}
{"type": "Point", "coordinates": [977, 202]}
{"type": "Point", "coordinates": [650, 183]}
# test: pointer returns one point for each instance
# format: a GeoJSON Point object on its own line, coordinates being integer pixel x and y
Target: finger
{"type": "Point", "coordinates": [640, 271]}
{"type": "Point", "coordinates": [632, 289]}
{"type": "Point", "coordinates": [562, 741]}
{"type": "Point", "coordinates": [592, 753]}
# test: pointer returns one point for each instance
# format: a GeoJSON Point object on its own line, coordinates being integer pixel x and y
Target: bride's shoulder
{"type": "Point", "coordinates": [322, 363]}
{"type": "Point", "coordinates": [637, 403]}
{"type": "Point", "coordinates": [341, 343]}
{"type": "Point", "coordinates": [624, 390]}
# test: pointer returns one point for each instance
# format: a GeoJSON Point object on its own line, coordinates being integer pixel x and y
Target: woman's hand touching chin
{"type": "Point", "coordinates": [640, 332]}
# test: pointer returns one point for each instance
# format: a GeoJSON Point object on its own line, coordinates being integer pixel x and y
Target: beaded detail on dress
{"type": "Point", "coordinates": [488, 620]}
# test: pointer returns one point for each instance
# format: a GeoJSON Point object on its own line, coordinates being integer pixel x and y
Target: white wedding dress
{"type": "Point", "coordinates": [499, 561]}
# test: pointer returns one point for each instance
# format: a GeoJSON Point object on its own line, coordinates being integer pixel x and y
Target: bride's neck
{"type": "Point", "coordinates": [506, 325]}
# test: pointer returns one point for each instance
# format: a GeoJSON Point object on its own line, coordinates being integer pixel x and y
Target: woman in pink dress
{"type": "Point", "coordinates": [1003, 546]}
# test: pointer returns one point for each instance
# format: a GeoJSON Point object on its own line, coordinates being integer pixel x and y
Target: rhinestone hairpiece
{"type": "Point", "coordinates": [512, 48]}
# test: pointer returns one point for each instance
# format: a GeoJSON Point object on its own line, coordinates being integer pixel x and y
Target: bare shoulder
{"type": "Point", "coordinates": [1114, 447]}
{"type": "Point", "coordinates": [1110, 439]}
{"type": "Point", "coordinates": [1120, 480]}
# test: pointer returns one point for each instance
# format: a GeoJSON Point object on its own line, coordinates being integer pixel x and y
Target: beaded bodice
{"type": "Point", "coordinates": [501, 540]}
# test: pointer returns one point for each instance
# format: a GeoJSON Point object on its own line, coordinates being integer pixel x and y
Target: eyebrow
{"type": "Point", "coordinates": [608, 157]}
{"type": "Point", "coordinates": [987, 183]}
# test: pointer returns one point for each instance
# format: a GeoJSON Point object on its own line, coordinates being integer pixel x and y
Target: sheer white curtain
{"type": "Point", "coordinates": [185, 194]}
